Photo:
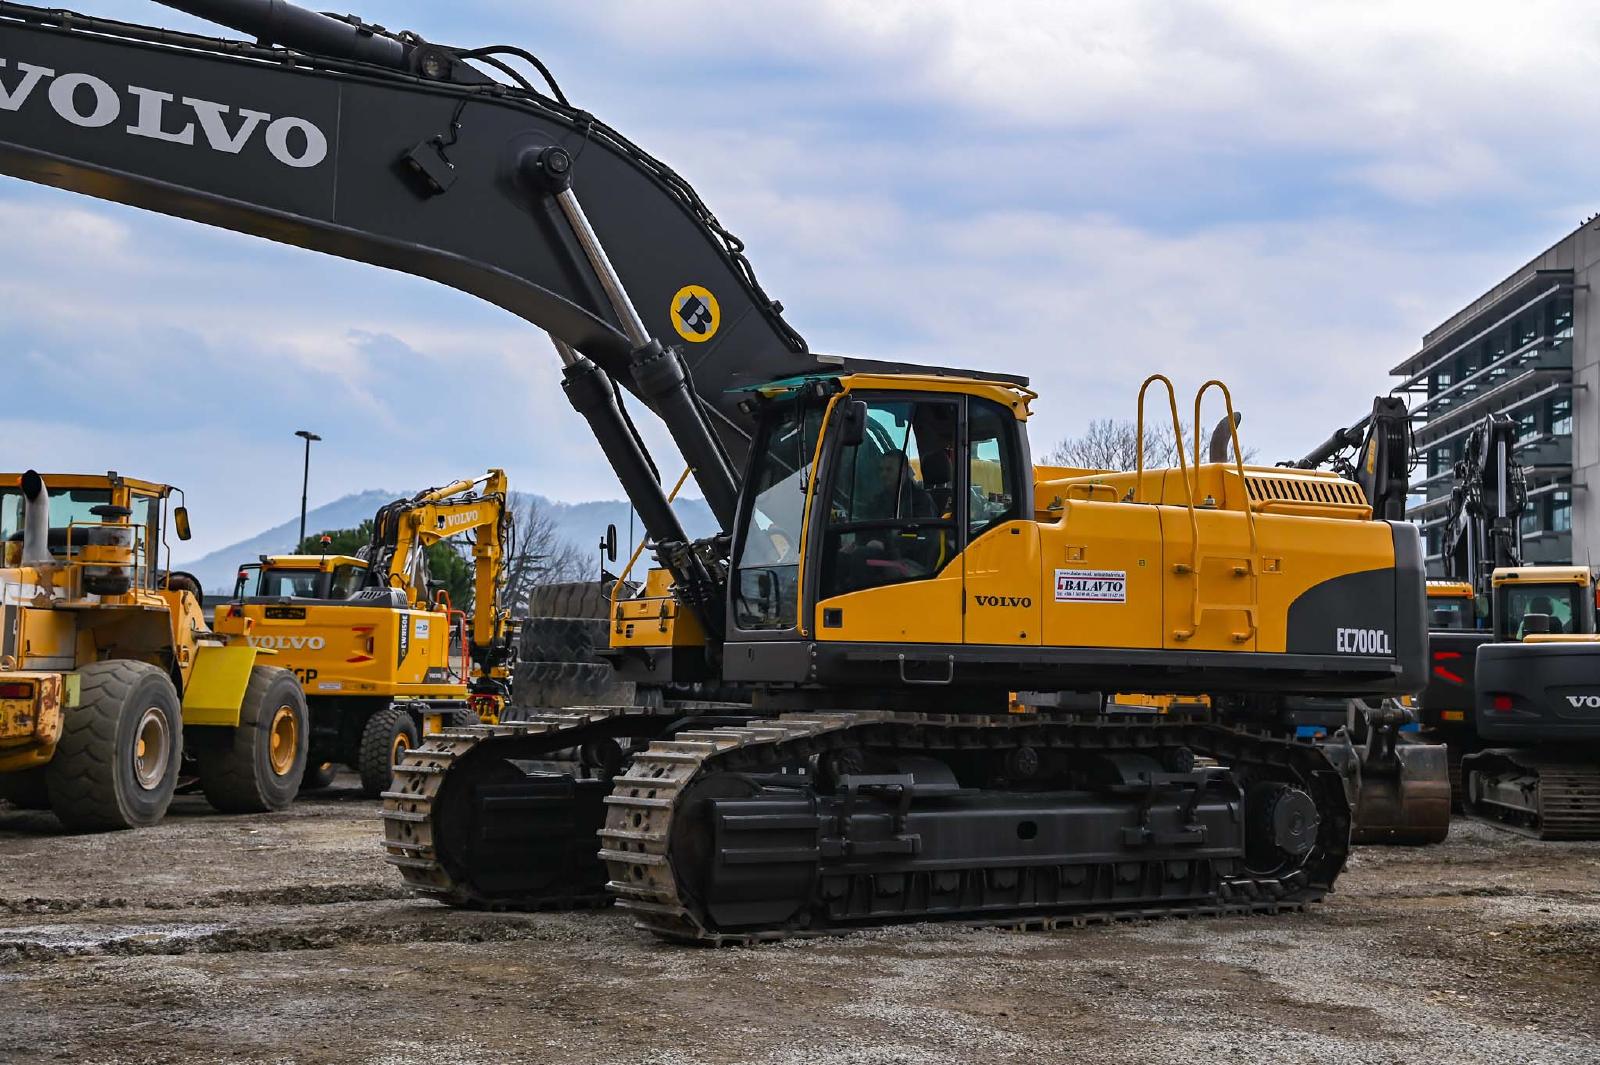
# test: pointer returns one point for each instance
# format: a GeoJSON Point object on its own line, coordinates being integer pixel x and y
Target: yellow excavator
{"type": "Point", "coordinates": [110, 681]}
{"type": "Point", "coordinates": [889, 565]}
{"type": "Point", "coordinates": [382, 653]}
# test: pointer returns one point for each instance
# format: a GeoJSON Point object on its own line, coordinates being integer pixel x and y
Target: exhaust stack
{"type": "Point", "coordinates": [35, 521]}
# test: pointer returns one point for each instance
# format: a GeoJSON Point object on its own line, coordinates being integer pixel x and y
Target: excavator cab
{"type": "Point", "coordinates": [1542, 601]}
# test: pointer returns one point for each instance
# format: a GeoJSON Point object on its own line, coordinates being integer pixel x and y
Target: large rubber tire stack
{"type": "Point", "coordinates": [559, 664]}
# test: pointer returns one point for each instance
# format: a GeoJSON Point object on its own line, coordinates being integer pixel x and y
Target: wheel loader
{"type": "Point", "coordinates": [111, 684]}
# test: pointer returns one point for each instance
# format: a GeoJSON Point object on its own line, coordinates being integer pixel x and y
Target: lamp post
{"type": "Point", "coordinates": [305, 482]}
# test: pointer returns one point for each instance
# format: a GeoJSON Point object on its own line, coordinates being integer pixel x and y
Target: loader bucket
{"type": "Point", "coordinates": [1404, 799]}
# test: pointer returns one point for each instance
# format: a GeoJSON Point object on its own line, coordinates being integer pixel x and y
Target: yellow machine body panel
{"type": "Point", "coordinates": [31, 705]}
{"type": "Point", "coordinates": [217, 681]}
{"type": "Point", "coordinates": [339, 648]}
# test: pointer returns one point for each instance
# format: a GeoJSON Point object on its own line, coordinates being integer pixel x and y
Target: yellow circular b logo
{"type": "Point", "coordinates": [695, 314]}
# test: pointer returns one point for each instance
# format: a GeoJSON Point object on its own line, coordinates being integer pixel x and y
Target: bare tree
{"type": "Point", "coordinates": [539, 554]}
{"type": "Point", "coordinates": [1112, 445]}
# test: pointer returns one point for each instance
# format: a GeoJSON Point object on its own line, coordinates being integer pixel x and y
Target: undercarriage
{"type": "Point", "coordinates": [744, 829]}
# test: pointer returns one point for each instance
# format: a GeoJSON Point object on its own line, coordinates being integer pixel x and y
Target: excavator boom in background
{"type": "Point", "coordinates": [890, 563]}
{"type": "Point", "coordinates": [384, 656]}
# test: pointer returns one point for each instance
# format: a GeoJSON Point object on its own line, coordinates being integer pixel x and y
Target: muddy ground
{"type": "Point", "coordinates": [286, 939]}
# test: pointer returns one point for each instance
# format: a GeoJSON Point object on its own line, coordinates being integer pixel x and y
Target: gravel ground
{"type": "Point", "coordinates": [285, 939]}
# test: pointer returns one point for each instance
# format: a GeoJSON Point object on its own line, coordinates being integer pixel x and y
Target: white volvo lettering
{"type": "Point", "coordinates": [1584, 702]}
{"type": "Point", "coordinates": [289, 643]}
{"type": "Point", "coordinates": [148, 124]}
{"type": "Point", "coordinates": [316, 149]}
{"type": "Point", "coordinates": [92, 103]}
{"type": "Point", "coordinates": [216, 131]}
{"type": "Point", "coordinates": [1362, 642]}
{"type": "Point", "coordinates": [31, 76]}
{"type": "Point", "coordinates": [64, 97]}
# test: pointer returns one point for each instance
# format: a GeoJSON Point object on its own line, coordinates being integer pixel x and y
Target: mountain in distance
{"type": "Point", "coordinates": [582, 524]}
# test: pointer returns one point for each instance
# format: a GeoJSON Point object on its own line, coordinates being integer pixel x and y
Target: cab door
{"type": "Point", "coordinates": [1001, 565]}
{"type": "Point", "coordinates": [887, 552]}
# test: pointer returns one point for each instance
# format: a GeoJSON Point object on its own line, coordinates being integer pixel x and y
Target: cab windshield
{"type": "Point", "coordinates": [1558, 602]}
{"type": "Point", "coordinates": [767, 582]}
{"type": "Point", "coordinates": [1451, 615]}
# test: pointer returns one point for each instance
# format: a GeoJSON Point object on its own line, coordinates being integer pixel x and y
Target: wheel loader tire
{"type": "Point", "coordinates": [318, 776]}
{"type": "Point", "coordinates": [117, 762]}
{"type": "Point", "coordinates": [387, 734]}
{"type": "Point", "coordinates": [563, 639]}
{"type": "Point", "coordinates": [571, 599]}
{"type": "Point", "coordinates": [261, 767]}
{"type": "Point", "coordinates": [26, 790]}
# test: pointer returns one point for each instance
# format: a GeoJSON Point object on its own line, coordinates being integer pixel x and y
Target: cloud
{"type": "Point", "coordinates": [1285, 196]}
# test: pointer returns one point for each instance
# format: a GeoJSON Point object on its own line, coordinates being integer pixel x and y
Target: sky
{"type": "Point", "coordinates": [1285, 196]}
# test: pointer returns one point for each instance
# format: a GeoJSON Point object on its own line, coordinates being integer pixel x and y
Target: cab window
{"type": "Point", "coordinates": [290, 583]}
{"type": "Point", "coordinates": [1451, 615]}
{"type": "Point", "coordinates": [992, 476]}
{"type": "Point", "coordinates": [347, 580]}
{"type": "Point", "coordinates": [891, 507]}
{"type": "Point", "coordinates": [1557, 602]}
{"type": "Point", "coordinates": [767, 580]}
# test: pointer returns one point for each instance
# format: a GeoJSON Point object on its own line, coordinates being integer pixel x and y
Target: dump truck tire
{"type": "Point", "coordinates": [262, 765]}
{"type": "Point", "coordinates": [388, 732]}
{"type": "Point", "coordinates": [117, 762]}
{"type": "Point", "coordinates": [318, 776]}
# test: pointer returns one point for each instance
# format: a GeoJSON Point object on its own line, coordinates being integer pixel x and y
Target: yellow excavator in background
{"type": "Point", "coordinates": [110, 679]}
{"type": "Point", "coordinates": [382, 653]}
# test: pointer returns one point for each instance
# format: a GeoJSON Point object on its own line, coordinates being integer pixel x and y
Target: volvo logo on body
{"type": "Point", "coordinates": [92, 103]}
{"type": "Point", "coordinates": [1584, 702]}
{"type": "Point", "coordinates": [289, 643]}
{"type": "Point", "coordinates": [1362, 642]}
{"type": "Point", "coordinates": [1003, 600]}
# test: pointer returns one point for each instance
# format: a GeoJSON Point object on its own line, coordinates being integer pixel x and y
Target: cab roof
{"type": "Point", "coordinates": [89, 480]}
{"type": "Point", "coordinates": [314, 562]}
{"type": "Point", "coordinates": [1542, 575]}
{"type": "Point", "coordinates": [1438, 589]}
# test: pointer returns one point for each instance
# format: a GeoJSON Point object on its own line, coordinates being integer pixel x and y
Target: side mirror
{"type": "Point", "coordinates": [180, 519]}
{"type": "Point", "coordinates": [609, 544]}
{"type": "Point", "coordinates": [852, 422]}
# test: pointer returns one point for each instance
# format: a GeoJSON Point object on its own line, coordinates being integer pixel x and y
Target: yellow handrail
{"type": "Point", "coordinates": [617, 587]}
{"type": "Point", "coordinates": [1249, 512]}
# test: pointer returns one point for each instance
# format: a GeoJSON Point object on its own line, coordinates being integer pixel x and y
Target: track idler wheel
{"type": "Point", "coordinates": [1281, 823]}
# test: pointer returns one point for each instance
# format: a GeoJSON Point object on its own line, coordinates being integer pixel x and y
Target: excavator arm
{"type": "Point", "coordinates": [341, 137]}
{"type": "Point", "coordinates": [1376, 453]}
{"type": "Point", "coordinates": [402, 530]}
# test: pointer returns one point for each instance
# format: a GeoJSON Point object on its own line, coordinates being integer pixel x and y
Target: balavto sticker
{"type": "Point", "coordinates": [695, 314]}
{"type": "Point", "coordinates": [1091, 586]}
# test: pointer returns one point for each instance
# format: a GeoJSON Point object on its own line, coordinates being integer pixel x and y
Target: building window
{"type": "Point", "coordinates": [1561, 415]}
{"type": "Point", "coordinates": [1561, 512]}
{"type": "Point", "coordinates": [1530, 520]}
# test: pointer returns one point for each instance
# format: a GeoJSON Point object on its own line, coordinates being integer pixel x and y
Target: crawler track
{"type": "Point", "coordinates": [1560, 802]}
{"type": "Point", "coordinates": [438, 788]}
{"type": "Point", "coordinates": [648, 806]}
